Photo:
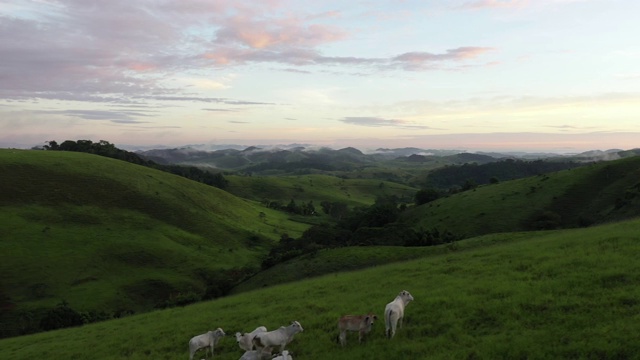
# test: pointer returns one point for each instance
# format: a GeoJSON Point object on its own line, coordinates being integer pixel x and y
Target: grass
{"type": "Point", "coordinates": [556, 294]}
{"type": "Point", "coordinates": [328, 261]}
{"type": "Point", "coordinates": [578, 197]}
{"type": "Point", "coordinates": [91, 230]}
{"type": "Point", "coordinates": [316, 188]}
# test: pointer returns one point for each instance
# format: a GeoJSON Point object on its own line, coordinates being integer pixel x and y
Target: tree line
{"type": "Point", "coordinates": [104, 148]}
{"type": "Point", "coordinates": [361, 226]}
{"type": "Point", "coordinates": [461, 176]}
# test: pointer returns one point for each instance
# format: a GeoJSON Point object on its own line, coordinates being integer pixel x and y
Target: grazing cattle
{"type": "Point", "coordinates": [394, 312]}
{"type": "Point", "coordinates": [245, 340]}
{"type": "Point", "coordinates": [284, 356]}
{"type": "Point", "coordinates": [205, 341]}
{"type": "Point", "coordinates": [360, 323]}
{"type": "Point", "coordinates": [281, 336]}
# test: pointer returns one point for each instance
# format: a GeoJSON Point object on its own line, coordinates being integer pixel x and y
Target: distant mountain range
{"type": "Point", "coordinates": [294, 157]}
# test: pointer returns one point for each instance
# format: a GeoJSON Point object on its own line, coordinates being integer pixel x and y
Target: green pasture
{"type": "Point", "coordinates": [583, 196]}
{"type": "Point", "coordinates": [316, 188]}
{"type": "Point", "coordinates": [103, 234]}
{"type": "Point", "coordinates": [569, 294]}
{"type": "Point", "coordinates": [334, 260]}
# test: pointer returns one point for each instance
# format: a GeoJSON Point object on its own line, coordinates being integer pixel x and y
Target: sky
{"type": "Point", "coordinates": [474, 75]}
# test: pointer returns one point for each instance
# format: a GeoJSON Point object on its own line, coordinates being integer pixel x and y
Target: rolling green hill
{"type": "Point", "coordinates": [103, 234]}
{"type": "Point", "coordinates": [598, 193]}
{"type": "Point", "coordinates": [567, 294]}
{"type": "Point", "coordinates": [100, 234]}
{"type": "Point", "coordinates": [316, 188]}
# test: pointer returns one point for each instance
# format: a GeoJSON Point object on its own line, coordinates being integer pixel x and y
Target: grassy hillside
{"type": "Point", "coordinates": [316, 188]}
{"type": "Point", "coordinates": [330, 261]}
{"type": "Point", "coordinates": [335, 260]}
{"type": "Point", "coordinates": [109, 235]}
{"type": "Point", "coordinates": [598, 193]}
{"type": "Point", "coordinates": [543, 295]}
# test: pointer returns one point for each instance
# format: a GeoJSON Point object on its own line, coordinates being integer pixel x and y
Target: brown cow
{"type": "Point", "coordinates": [360, 323]}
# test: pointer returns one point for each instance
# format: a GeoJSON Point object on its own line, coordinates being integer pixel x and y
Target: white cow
{"type": "Point", "coordinates": [284, 356]}
{"type": "Point", "coordinates": [245, 340]}
{"type": "Point", "coordinates": [281, 336]}
{"type": "Point", "coordinates": [264, 354]}
{"type": "Point", "coordinates": [394, 312]}
{"type": "Point", "coordinates": [205, 341]}
{"type": "Point", "coordinates": [360, 323]}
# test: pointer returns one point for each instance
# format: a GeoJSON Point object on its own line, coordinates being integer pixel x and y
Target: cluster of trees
{"type": "Point", "coordinates": [104, 148]}
{"type": "Point", "coordinates": [217, 284]}
{"type": "Point", "coordinates": [363, 226]}
{"type": "Point", "coordinates": [306, 209]}
{"type": "Point", "coordinates": [60, 316]}
{"type": "Point", "coordinates": [463, 176]}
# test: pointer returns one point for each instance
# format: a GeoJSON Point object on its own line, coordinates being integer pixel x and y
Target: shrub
{"type": "Point", "coordinates": [61, 316]}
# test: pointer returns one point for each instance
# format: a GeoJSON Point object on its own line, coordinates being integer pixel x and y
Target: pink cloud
{"type": "Point", "coordinates": [278, 33]}
{"type": "Point", "coordinates": [109, 50]}
{"type": "Point", "coordinates": [422, 60]}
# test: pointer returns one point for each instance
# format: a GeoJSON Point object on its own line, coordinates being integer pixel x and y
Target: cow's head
{"type": "Point", "coordinates": [296, 325]}
{"type": "Point", "coordinates": [406, 296]}
{"type": "Point", "coordinates": [370, 319]}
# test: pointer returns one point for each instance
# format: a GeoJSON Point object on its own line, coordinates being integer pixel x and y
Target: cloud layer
{"type": "Point", "coordinates": [193, 71]}
{"type": "Point", "coordinates": [110, 51]}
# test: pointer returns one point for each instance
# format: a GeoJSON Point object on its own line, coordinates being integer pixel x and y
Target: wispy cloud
{"type": "Point", "coordinates": [221, 110]}
{"type": "Point", "coordinates": [492, 4]}
{"type": "Point", "coordinates": [203, 99]}
{"type": "Point", "coordinates": [377, 122]}
{"type": "Point", "coordinates": [112, 51]}
{"type": "Point", "coordinates": [422, 60]}
{"type": "Point", "coordinates": [121, 117]}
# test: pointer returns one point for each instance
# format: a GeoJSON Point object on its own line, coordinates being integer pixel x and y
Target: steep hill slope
{"type": "Point", "coordinates": [570, 294]}
{"type": "Point", "coordinates": [597, 193]}
{"type": "Point", "coordinates": [106, 235]}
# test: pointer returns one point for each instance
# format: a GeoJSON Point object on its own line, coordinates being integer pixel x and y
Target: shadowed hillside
{"type": "Point", "coordinates": [592, 194]}
{"type": "Point", "coordinates": [104, 235]}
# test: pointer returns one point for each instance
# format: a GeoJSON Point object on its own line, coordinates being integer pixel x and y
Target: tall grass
{"type": "Point", "coordinates": [557, 294]}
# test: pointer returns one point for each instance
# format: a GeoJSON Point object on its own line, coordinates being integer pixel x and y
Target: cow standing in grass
{"type": "Point", "coordinates": [394, 312]}
{"type": "Point", "coordinates": [360, 323]}
{"type": "Point", "coordinates": [280, 337]}
{"type": "Point", "coordinates": [245, 340]}
{"type": "Point", "coordinates": [205, 341]}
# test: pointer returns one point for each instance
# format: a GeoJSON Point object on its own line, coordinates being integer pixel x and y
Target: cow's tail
{"type": "Point", "coordinates": [387, 322]}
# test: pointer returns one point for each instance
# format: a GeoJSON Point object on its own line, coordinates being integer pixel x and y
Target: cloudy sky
{"type": "Point", "coordinates": [531, 75]}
